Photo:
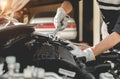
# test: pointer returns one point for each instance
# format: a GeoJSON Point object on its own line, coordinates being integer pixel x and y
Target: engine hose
{"type": "Point", "coordinates": [86, 75]}
{"type": "Point", "coordinates": [103, 67]}
{"type": "Point", "coordinates": [108, 56]}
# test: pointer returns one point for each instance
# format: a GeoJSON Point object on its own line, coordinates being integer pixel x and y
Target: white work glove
{"type": "Point", "coordinates": [60, 19]}
{"type": "Point", "coordinates": [87, 53]}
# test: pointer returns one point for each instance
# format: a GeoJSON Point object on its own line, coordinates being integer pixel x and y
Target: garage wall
{"type": "Point", "coordinates": [45, 8]}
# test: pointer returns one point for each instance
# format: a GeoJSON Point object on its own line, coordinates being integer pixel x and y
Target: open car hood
{"type": "Point", "coordinates": [14, 31]}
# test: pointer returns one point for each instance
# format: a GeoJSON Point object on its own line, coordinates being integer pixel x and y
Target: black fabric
{"type": "Point", "coordinates": [117, 25]}
{"type": "Point", "coordinates": [108, 4]}
{"type": "Point", "coordinates": [110, 15]}
{"type": "Point", "coordinates": [112, 19]}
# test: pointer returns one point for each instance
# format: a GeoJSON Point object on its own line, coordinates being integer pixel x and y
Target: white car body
{"type": "Point", "coordinates": [45, 25]}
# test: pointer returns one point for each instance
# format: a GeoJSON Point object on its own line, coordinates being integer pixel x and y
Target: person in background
{"type": "Point", "coordinates": [9, 10]}
{"type": "Point", "coordinates": [110, 13]}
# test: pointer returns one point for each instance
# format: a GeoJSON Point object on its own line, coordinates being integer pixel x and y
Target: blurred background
{"type": "Point", "coordinates": [83, 27]}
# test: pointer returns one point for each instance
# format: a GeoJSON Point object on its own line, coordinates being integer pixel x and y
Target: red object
{"type": "Point", "coordinates": [51, 25]}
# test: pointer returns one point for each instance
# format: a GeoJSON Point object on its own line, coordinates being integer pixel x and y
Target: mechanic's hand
{"type": "Point", "coordinates": [87, 53]}
{"type": "Point", "coordinates": [60, 19]}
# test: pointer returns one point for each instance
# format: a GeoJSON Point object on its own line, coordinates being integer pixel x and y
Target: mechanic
{"type": "Point", "coordinates": [110, 13]}
{"type": "Point", "coordinates": [8, 7]}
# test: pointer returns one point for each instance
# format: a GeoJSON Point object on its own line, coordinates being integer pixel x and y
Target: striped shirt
{"type": "Point", "coordinates": [110, 11]}
{"type": "Point", "coordinates": [109, 4]}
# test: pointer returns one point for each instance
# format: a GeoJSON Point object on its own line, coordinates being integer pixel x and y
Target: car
{"type": "Point", "coordinates": [44, 24]}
